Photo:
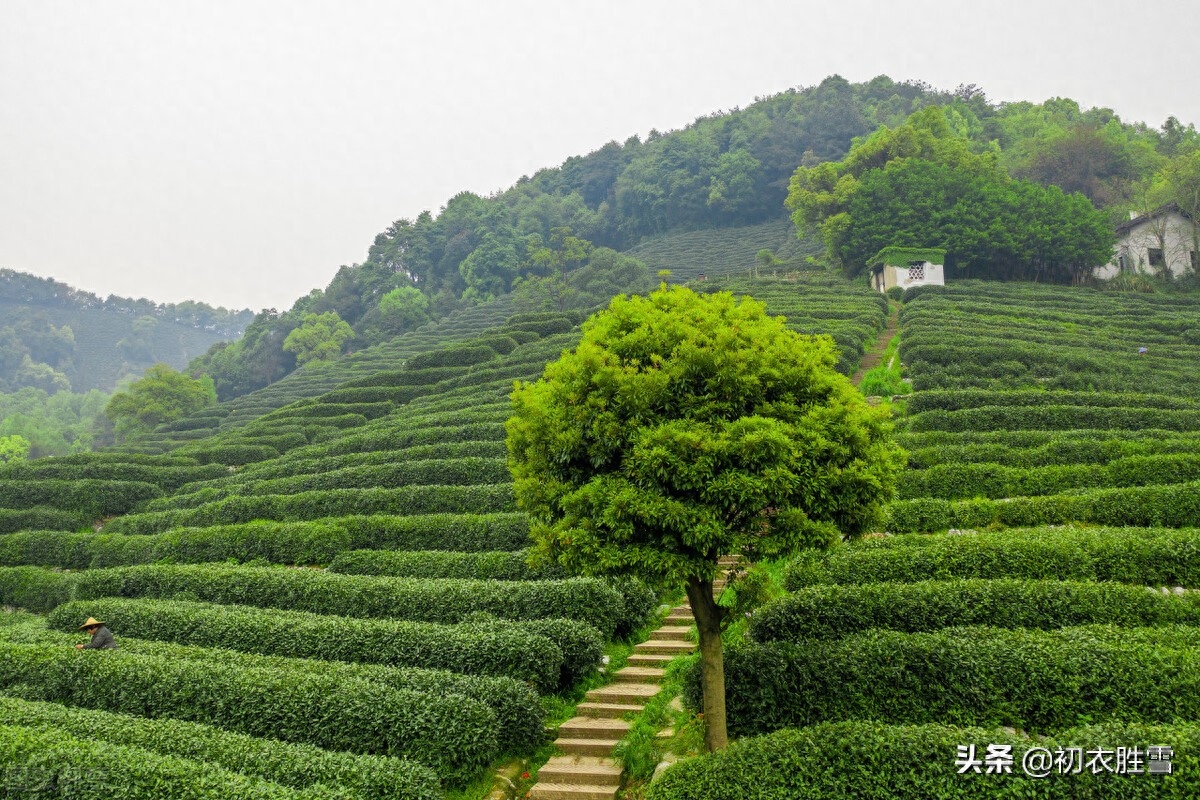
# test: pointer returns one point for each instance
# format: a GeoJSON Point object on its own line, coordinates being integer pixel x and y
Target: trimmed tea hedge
{"type": "Point", "coordinates": [494, 566]}
{"type": "Point", "coordinates": [332, 535]}
{"type": "Point", "coordinates": [289, 764]}
{"type": "Point", "coordinates": [1174, 505]}
{"type": "Point", "coordinates": [833, 611]}
{"type": "Point", "coordinates": [1004, 417]}
{"type": "Point", "coordinates": [40, 762]}
{"type": "Point", "coordinates": [92, 498]}
{"type": "Point", "coordinates": [874, 761]}
{"type": "Point", "coordinates": [481, 648]}
{"type": "Point", "coordinates": [441, 600]}
{"type": "Point", "coordinates": [1154, 556]}
{"type": "Point", "coordinates": [41, 518]}
{"type": "Point", "coordinates": [453, 735]}
{"type": "Point", "coordinates": [1037, 680]}
{"type": "Point", "coordinates": [405, 500]}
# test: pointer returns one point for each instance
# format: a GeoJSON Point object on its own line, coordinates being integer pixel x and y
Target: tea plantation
{"type": "Point", "coordinates": [320, 589]}
{"type": "Point", "coordinates": [1032, 592]}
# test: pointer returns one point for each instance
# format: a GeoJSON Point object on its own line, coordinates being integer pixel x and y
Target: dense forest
{"type": "Point", "coordinates": [729, 169]}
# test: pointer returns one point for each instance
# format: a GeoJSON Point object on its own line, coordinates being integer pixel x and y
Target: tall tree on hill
{"type": "Point", "coordinates": [686, 427]}
{"type": "Point", "coordinates": [161, 395]}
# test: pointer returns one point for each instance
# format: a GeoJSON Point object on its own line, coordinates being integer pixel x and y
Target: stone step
{"type": "Point", "coordinates": [672, 633]}
{"type": "Point", "coordinates": [664, 647]}
{"type": "Point", "coordinates": [609, 710]}
{"type": "Point", "coordinates": [585, 747]}
{"type": "Point", "coordinates": [648, 660]}
{"type": "Point", "coordinates": [580, 770]}
{"type": "Point", "coordinates": [639, 675]}
{"type": "Point", "coordinates": [571, 791]}
{"type": "Point", "coordinates": [623, 693]}
{"type": "Point", "coordinates": [686, 608]}
{"type": "Point", "coordinates": [593, 728]}
{"type": "Point", "coordinates": [679, 619]}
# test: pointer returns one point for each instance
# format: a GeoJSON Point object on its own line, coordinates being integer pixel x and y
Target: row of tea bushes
{"type": "Point", "coordinates": [325, 537]}
{"type": "Point", "coordinates": [1147, 556]}
{"type": "Point", "coordinates": [516, 704]}
{"type": "Point", "coordinates": [452, 734]}
{"type": "Point", "coordinates": [1030, 449]}
{"type": "Point", "coordinates": [520, 650]}
{"type": "Point", "coordinates": [45, 762]}
{"type": "Point", "coordinates": [1036, 680]}
{"type": "Point", "coordinates": [406, 500]}
{"type": "Point", "coordinates": [299, 766]}
{"type": "Point", "coordinates": [833, 611]}
{"type": "Point", "coordinates": [444, 600]}
{"type": "Point", "coordinates": [877, 761]}
{"type": "Point", "coordinates": [1174, 505]}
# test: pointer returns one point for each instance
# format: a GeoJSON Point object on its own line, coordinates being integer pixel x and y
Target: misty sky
{"type": "Point", "coordinates": [239, 152]}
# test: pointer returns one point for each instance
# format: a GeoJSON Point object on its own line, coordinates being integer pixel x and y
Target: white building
{"type": "Point", "coordinates": [1166, 239]}
{"type": "Point", "coordinates": [907, 267]}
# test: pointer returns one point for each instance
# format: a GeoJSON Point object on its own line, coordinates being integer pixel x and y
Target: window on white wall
{"type": "Point", "coordinates": [1156, 257]}
{"type": "Point", "coordinates": [916, 272]}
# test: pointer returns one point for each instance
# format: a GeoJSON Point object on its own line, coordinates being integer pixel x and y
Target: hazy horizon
{"type": "Point", "coordinates": [240, 154]}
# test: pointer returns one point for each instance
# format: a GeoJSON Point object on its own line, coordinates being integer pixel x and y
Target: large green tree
{"type": "Point", "coordinates": [160, 396]}
{"type": "Point", "coordinates": [685, 427]}
{"type": "Point", "coordinates": [319, 337]}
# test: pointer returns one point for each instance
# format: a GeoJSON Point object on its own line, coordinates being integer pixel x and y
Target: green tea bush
{"type": "Point", "coordinates": [1036, 680]}
{"type": "Point", "coordinates": [35, 589]}
{"type": "Point", "coordinates": [405, 500]}
{"type": "Point", "coordinates": [41, 762]}
{"type": "Point", "coordinates": [516, 704]}
{"type": "Point", "coordinates": [495, 566]}
{"type": "Point", "coordinates": [445, 600]}
{"type": "Point", "coordinates": [833, 611]}
{"type": "Point", "coordinates": [1156, 557]}
{"type": "Point", "coordinates": [228, 454]}
{"type": "Point", "coordinates": [453, 735]}
{"type": "Point", "coordinates": [88, 497]}
{"type": "Point", "coordinates": [481, 648]}
{"type": "Point", "coordinates": [41, 518]}
{"type": "Point", "coordinates": [1004, 417]}
{"type": "Point", "coordinates": [876, 761]}
{"type": "Point", "coordinates": [958, 399]}
{"type": "Point", "coordinates": [464, 355]}
{"type": "Point", "coordinates": [316, 541]}
{"type": "Point", "coordinates": [296, 765]}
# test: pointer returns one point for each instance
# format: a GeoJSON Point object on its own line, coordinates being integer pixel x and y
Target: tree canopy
{"type": "Point", "coordinates": [160, 396]}
{"type": "Point", "coordinates": [319, 337]}
{"type": "Point", "coordinates": [685, 427]}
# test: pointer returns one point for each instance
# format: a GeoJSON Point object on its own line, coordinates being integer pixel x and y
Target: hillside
{"type": "Point", "coordinates": [57, 338]}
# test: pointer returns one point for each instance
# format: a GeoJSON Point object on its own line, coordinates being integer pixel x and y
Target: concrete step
{"type": "Point", "coordinates": [664, 647]}
{"type": "Point", "coordinates": [585, 747]}
{"type": "Point", "coordinates": [639, 675]}
{"type": "Point", "coordinates": [648, 660]}
{"type": "Point", "coordinates": [571, 791]}
{"type": "Point", "coordinates": [679, 619]}
{"type": "Point", "coordinates": [581, 770]}
{"type": "Point", "coordinates": [686, 608]}
{"type": "Point", "coordinates": [593, 728]}
{"type": "Point", "coordinates": [610, 710]}
{"type": "Point", "coordinates": [677, 633]}
{"type": "Point", "coordinates": [623, 693]}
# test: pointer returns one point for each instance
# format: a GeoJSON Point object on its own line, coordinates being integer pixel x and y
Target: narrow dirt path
{"type": "Point", "coordinates": [872, 357]}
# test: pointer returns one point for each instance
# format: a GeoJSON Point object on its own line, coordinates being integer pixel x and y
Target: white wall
{"type": "Point", "coordinates": [1172, 233]}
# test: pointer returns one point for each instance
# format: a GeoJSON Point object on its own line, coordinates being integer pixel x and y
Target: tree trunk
{"type": "Point", "coordinates": [712, 665]}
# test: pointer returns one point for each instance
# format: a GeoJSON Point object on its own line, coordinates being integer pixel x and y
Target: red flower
{"type": "Point", "coordinates": [524, 776]}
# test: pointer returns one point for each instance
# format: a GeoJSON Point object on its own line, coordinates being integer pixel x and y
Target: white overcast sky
{"type": "Point", "coordinates": [239, 152]}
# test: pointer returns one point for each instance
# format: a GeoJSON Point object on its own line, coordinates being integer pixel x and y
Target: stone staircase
{"type": "Point", "coordinates": [586, 769]}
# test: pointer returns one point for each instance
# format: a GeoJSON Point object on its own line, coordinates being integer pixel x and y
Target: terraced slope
{"type": "Point", "coordinates": [1038, 582]}
{"type": "Point", "coordinates": [344, 573]}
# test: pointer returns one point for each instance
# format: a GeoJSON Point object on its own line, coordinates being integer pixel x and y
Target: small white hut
{"type": "Point", "coordinates": [907, 267]}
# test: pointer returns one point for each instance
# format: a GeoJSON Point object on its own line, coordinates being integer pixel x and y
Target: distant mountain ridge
{"type": "Point", "coordinates": [58, 338]}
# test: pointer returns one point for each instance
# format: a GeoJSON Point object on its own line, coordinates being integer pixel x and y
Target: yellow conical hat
{"type": "Point", "coordinates": [92, 622]}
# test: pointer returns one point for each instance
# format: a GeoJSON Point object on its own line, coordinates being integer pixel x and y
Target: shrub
{"type": "Point", "coordinates": [462, 355]}
{"type": "Point", "coordinates": [88, 497]}
{"type": "Point", "coordinates": [878, 761]}
{"type": "Point", "coordinates": [495, 566]}
{"type": "Point", "coordinates": [485, 648]}
{"type": "Point", "coordinates": [453, 735]}
{"type": "Point", "coordinates": [833, 611]}
{"type": "Point", "coordinates": [40, 762]}
{"type": "Point", "coordinates": [1158, 557]}
{"type": "Point", "coordinates": [440, 600]}
{"type": "Point", "coordinates": [41, 518]}
{"type": "Point", "coordinates": [324, 538]}
{"type": "Point", "coordinates": [1038, 680]}
{"type": "Point", "coordinates": [295, 765]}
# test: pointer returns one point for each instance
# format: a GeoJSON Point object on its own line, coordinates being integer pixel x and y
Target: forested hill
{"type": "Point", "coordinates": [726, 170]}
{"type": "Point", "coordinates": [57, 338]}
